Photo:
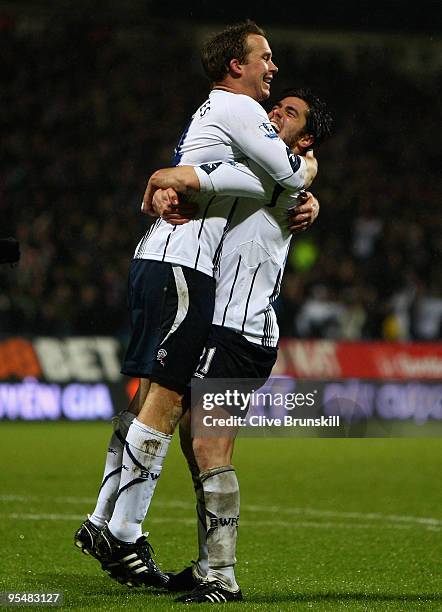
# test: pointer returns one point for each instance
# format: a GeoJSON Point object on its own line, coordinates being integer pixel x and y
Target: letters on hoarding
{"type": "Point", "coordinates": [324, 359]}
{"type": "Point", "coordinates": [79, 378]}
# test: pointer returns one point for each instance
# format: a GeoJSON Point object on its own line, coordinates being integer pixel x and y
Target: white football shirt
{"type": "Point", "coordinates": [226, 128]}
{"type": "Point", "coordinates": [250, 265]}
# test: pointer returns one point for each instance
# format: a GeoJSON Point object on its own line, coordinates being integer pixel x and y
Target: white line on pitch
{"type": "Point", "coordinates": [367, 516]}
{"type": "Point", "coordinates": [189, 521]}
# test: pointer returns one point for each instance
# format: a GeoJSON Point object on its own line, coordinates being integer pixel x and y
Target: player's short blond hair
{"type": "Point", "coordinates": [219, 50]}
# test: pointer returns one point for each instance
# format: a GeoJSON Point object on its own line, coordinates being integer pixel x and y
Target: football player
{"type": "Point", "coordinates": [172, 293]}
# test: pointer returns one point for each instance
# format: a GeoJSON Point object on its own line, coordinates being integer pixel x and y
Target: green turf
{"type": "Point", "coordinates": [327, 524]}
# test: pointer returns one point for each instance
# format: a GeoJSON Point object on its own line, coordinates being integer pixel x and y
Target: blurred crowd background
{"type": "Point", "coordinates": [90, 109]}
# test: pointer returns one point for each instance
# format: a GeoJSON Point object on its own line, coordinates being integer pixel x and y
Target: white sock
{"type": "Point", "coordinates": [112, 470]}
{"type": "Point", "coordinates": [226, 575]}
{"type": "Point", "coordinates": [143, 457]}
{"type": "Point", "coordinates": [221, 495]}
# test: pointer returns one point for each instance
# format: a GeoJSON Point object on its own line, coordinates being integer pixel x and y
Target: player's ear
{"type": "Point", "coordinates": [306, 141]}
{"type": "Point", "coordinates": [235, 67]}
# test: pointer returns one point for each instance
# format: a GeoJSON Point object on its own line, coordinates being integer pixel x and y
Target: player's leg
{"type": "Point", "coordinates": [185, 321]}
{"type": "Point", "coordinates": [216, 547]}
{"type": "Point", "coordinates": [213, 452]}
{"type": "Point", "coordinates": [86, 535]}
{"type": "Point", "coordinates": [112, 470]}
{"type": "Point", "coordinates": [202, 563]}
{"type": "Point", "coordinates": [220, 495]}
{"type": "Point", "coordinates": [192, 576]}
{"type": "Point", "coordinates": [232, 358]}
{"type": "Point", "coordinates": [145, 300]}
{"type": "Point", "coordinates": [146, 446]}
{"type": "Point", "coordinates": [124, 550]}
{"type": "Point", "coordinates": [187, 309]}
{"type": "Point", "coordinates": [144, 314]}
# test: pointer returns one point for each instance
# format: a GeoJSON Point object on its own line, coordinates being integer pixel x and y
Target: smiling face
{"type": "Point", "coordinates": [289, 118]}
{"type": "Point", "coordinates": [258, 69]}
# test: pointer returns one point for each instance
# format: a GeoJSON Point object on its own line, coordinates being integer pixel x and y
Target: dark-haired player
{"type": "Point", "coordinates": [244, 337]}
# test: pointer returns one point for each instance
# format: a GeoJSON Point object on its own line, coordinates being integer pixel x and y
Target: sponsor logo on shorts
{"type": "Point", "coordinates": [161, 355]}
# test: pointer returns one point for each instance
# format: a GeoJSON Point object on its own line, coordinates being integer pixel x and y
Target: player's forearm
{"type": "Point", "coordinates": [180, 178]}
{"type": "Point", "coordinates": [304, 170]}
{"type": "Point", "coordinates": [237, 180]}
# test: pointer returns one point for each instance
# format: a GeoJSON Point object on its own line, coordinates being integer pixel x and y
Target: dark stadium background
{"type": "Point", "coordinates": [93, 98]}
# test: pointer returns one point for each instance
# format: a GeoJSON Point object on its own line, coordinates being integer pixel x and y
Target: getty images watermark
{"type": "Point", "coordinates": [222, 407]}
{"type": "Point", "coordinates": [245, 402]}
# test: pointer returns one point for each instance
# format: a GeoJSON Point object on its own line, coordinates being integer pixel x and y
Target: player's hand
{"type": "Point", "coordinates": [146, 205]}
{"type": "Point", "coordinates": [174, 210]}
{"type": "Point", "coordinates": [312, 168]}
{"type": "Point", "coordinates": [157, 181]}
{"type": "Point", "coordinates": [180, 213]}
{"type": "Point", "coordinates": [163, 201]}
{"type": "Point", "coordinates": [304, 214]}
{"type": "Point", "coordinates": [180, 178]}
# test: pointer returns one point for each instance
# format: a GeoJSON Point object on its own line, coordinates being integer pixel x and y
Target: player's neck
{"type": "Point", "coordinates": [236, 86]}
{"type": "Point", "coordinates": [225, 88]}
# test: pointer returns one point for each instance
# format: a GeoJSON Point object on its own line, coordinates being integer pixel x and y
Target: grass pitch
{"type": "Point", "coordinates": [326, 524]}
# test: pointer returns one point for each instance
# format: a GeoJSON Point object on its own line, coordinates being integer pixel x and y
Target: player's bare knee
{"type": "Point", "coordinates": [212, 452]}
{"type": "Point", "coordinates": [162, 409]}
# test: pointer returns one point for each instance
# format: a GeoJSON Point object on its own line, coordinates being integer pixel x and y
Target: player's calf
{"type": "Point", "coordinates": [221, 494]}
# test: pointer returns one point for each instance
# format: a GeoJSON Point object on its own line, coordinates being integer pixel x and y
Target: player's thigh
{"type": "Point", "coordinates": [230, 363]}
{"type": "Point", "coordinates": [228, 354]}
{"type": "Point", "coordinates": [147, 287]}
{"type": "Point", "coordinates": [185, 325]}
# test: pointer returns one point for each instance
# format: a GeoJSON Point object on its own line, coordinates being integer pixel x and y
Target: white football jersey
{"type": "Point", "coordinates": [250, 266]}
{"type": "Point", "coordinates": [226, 128]}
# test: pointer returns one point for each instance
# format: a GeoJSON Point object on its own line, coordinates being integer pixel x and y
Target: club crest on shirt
{"type": "Point", "coordinates": [161, 355]}
{"type": "Point", "coordinates": [210, 167]}
{"type": "Point", "coordinates": [268, 130]}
